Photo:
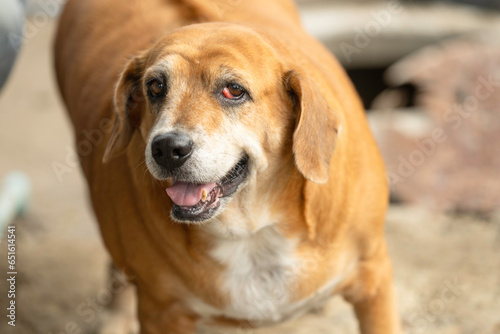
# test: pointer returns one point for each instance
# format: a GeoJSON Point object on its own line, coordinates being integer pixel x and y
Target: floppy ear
{"type": "Point", "coordinates": [316, 128]}
{"type": "Point", "coordinates": [128, 103]}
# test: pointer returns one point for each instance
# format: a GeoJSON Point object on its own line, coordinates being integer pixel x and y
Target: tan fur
{"type": "Point", "coordinates": [318, 181]}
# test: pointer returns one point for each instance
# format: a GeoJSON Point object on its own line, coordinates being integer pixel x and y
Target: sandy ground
{"type": "Point", "coordinates": [447, 269]}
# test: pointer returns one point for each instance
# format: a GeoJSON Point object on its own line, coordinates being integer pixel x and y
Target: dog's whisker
{"type": "Point", "coordinates": [142, 164]}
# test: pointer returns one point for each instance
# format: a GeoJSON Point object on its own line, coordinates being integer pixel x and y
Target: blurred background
{"type": "Point", "coordinates": [429, 75]}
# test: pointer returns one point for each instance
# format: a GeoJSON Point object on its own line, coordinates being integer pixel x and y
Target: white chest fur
{"type": "Point", "coordinates": [262, 272]}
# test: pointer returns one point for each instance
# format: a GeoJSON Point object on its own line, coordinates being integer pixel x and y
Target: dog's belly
{"type": "Point", "coordinates": [262, 276]}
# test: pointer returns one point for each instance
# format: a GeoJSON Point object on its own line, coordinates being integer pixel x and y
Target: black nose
{"type": "Point", "coordinates": [171, 150]}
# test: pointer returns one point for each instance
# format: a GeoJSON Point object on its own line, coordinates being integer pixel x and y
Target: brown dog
{"type": "Point", "coordinates": [275, 191]}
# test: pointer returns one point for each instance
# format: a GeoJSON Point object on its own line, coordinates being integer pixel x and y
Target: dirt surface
{"type": "Point", "coordinates": [446, 268]}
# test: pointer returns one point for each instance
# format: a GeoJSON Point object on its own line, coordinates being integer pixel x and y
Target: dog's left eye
{"type": "Point", "coordinates": [233, 92]}
{"type": "Point", "coordinates": [156, 88]}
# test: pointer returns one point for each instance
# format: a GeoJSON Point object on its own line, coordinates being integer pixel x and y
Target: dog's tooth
{"type": "Point", "coordinates": [203, 195]}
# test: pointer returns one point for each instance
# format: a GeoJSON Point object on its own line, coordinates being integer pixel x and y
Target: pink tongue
{"type": "Point", "coordinates": [186, 194]}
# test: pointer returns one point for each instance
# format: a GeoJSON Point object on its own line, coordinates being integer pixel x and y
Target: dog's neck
{"type": "Point", "coordinates": [241, 221]}
{"type": "Point", "coordinates": [260, 206]}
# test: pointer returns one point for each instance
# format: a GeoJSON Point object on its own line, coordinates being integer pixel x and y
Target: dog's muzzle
{"type": "Point", "coordinates": [191, 200]}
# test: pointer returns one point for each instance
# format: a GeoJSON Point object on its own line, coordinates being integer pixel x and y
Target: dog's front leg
{"type": "Point", "coordinates": [377, 314]}
{"type": "Point", "coordinates": [119, 316]}
{"type": "Point", "coordinates": [164, 317]}
{"type": "Point", "coordinates": [372, 296]}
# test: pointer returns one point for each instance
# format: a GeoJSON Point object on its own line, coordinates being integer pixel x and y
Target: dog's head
{"type": "Point", "coordinates": [219, 111]}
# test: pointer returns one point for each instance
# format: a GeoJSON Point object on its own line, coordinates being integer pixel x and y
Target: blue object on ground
{"type": "Point", "coordinates": [12, 14]}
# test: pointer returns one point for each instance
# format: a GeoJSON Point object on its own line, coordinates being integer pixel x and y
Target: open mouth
{"type": "Point", "coordinates": [198, 202]}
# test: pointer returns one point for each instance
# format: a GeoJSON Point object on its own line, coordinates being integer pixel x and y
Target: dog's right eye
{"type": "Point", "coordinates": [156, 88]}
